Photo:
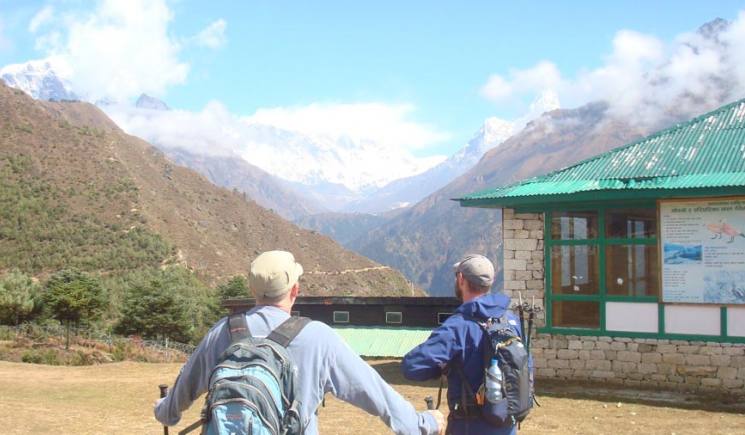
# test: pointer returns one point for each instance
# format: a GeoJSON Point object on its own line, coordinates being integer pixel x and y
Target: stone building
{"type": "Point", "coordinates": [638, 258]}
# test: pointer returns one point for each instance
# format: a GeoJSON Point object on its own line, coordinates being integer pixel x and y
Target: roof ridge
{"type": "Point", "coordinates": [651, 177]}
{"type": "Point", "coordinates": [656, 134]}
{"type": "Point", "coordinates": [689, 127]}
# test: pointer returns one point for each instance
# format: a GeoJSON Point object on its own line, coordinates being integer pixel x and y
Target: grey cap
{"type": "Point", "coordinates": [273, 274]}
{"type": "Point", "coordinates": [477, 269]}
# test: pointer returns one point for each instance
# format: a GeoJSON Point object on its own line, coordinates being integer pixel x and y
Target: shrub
{"type": "Point", "coordinates": [41, 356]}
{"type": "Point", "coordinates": [20, 298]}
{"type": "Point", "coordinates": [80, 358]}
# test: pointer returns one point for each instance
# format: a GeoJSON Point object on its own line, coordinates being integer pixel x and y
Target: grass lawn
{"type": "Point", "coordinates": [117, 398]}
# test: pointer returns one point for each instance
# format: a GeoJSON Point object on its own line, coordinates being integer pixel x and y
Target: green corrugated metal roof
{"type": "Point", "coordinates": [705, 152]}
{"type": "Point", "coordinates": [382, 342]}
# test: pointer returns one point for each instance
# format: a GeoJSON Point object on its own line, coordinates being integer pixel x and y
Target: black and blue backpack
{"type": "Point", "coordinates": [501, 340]}
{"type": "Point", "coordinates": [252, 388]}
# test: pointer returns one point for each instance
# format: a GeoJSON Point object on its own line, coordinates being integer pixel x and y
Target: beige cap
{"type": "Point", "coordinates": [477, 269]}
{"type": "Point", "coordinates": [273, 273]}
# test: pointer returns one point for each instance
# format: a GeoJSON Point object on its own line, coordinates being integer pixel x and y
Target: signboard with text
{"type": "Point", "coordinates": [702, 251]}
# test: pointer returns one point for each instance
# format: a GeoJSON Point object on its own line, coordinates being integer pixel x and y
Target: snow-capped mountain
{"type": "Point", "coordinates": [492, 133]}
{"type": "Point", "coordinates": [409, 190]}
{"type": "Point", "coordinates": [38, 78]}
{"type": "Point", "coordinates": [353, 168]}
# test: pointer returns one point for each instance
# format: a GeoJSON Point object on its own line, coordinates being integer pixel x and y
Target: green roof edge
{"type": "Point", "coordinates": [468, 200]}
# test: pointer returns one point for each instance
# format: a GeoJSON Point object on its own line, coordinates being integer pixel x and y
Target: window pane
{"type": "Point", "coordinates": [631, 270]}
{"type": "Point", "coordinates": [341, 316]}
{"type": "Point", "coordinates": [574, 225]}
{"type": "Point", "coordinates": [574, 314]}
{"type": "Point", "coordinates": [630, 223]}
{"type": "Point", "coordinates": [393, 317]}
{"type": "Point", "coordinates": [574, 270]}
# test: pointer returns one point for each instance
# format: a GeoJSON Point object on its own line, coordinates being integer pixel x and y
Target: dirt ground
{"type": "Point", "coordinates": [117, 398]}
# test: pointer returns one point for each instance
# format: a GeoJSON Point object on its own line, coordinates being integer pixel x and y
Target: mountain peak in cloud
{"type": "Point", "coordinates": [713, 28]}
{"type": "Point", "coordinates": [147, 102]}
{"type": "Point", "coordinates": [495, 130]}
{"type": "Point", "coordinates": [547, 101]}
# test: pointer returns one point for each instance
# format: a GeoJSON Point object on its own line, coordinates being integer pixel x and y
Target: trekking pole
{"type": "Point", "coordinates": [164, 393]}
{"type": "Point", "coordinates": [430, 402]}
{"type": "Point", "coordinates": [533, 311]}
{"type": "Point", "coordinates": [531, 316]}
{"type": "Point", "coordinates": [521, 312]}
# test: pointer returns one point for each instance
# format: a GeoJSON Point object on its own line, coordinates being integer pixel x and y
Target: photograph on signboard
{"type": "Point", "coordinates": [725, 287]}
{"type": "Point", "coordinates": [682, 254]}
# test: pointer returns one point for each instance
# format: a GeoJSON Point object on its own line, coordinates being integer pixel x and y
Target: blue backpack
{"type": "Point", "coordinates": [252, 387]}
{"type": "Point", "coordinates": [501, 341]}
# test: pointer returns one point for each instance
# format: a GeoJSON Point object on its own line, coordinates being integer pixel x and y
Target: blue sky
{"type": "Point", "coordinates": [434, 57]}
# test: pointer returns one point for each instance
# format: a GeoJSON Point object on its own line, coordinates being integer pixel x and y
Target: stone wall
{"type": "Point", "coordinates": [641, 362]}
{"type": "Point", "coordinates": [522, 236]}
{"type": "Point", "coordinates": [635, 362]}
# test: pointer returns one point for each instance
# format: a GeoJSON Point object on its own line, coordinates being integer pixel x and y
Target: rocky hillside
{"type": "Point", "coordinates": [425, 240]}
{"type": "Point", "coordinates": [78, 192]}
{"type": "Point", "coordinates": [342, 227]}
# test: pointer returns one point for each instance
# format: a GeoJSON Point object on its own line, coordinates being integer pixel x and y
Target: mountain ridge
{"type": "Point", "coordinates": [123, 185]}
{"type": "Point", "coordinates": [425, 240]}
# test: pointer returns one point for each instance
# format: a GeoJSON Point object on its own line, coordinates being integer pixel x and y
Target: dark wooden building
{"type": "Point", "coordinates": [416, 312]}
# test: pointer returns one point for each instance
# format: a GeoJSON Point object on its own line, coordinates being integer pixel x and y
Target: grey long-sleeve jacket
{"type": "Point", "coordinates": [325, 365]}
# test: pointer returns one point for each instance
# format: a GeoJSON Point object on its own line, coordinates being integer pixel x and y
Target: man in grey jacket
{"type": "Point", "coordinates": [325, 363]}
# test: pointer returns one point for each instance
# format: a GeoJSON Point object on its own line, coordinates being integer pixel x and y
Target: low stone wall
{"type": "Point", "coordinates": [642, 362]}
{"type": "Point", "coordinates": [636, 362]}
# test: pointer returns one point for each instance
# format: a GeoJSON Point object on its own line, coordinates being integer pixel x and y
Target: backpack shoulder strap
{"type": "Point", "coordinates": [238, 327]}
{"type": "Point", "coordinates": [288, 330]}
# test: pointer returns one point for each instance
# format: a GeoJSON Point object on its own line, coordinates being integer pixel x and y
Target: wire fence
{"type": "Point", "coordinates": [35, 332]}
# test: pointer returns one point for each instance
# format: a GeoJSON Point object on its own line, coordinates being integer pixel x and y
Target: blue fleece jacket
{"type": "Point", "coordinates": [459, 341]}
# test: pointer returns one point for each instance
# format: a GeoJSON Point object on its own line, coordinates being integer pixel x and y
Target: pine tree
{"type": "Point", "coordinates": [169, 304]}
{"type": "Point", "coordinates": [235, 287]}
{"type": "Point", "coordinates": [72, 297]}
{"type": "Point", "coordinates": [155, 310]}
{"type": "Point", "coordinates": [19, 297]}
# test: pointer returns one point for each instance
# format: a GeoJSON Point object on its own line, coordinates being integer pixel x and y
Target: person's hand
{"type": "Point", "coordinates": [440, 419]}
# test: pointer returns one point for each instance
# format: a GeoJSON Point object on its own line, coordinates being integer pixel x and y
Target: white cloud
{"type": "Point", "coordinates": [356, 145]}
{"type": "Point", "coordinates": [543, 76]}
{"type": "Point", "coordinates": [381, 123]}
{"type": "Point", "coordinates": [44, 16]}
{"type": "Point", "coordinates": [643, 78]}
{"type": "Point", "coordinates": [117, 51]}
{"type": "Point", "coordinates": [212, 36]}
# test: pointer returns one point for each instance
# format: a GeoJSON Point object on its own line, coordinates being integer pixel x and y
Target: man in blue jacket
{"type": "Point", "coordinates": [459, 342]}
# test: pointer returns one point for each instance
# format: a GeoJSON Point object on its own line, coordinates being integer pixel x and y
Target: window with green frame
{"type": "Point", "coordinates": [596, 255]}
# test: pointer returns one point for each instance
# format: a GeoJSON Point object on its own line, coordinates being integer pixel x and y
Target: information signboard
{"type": "Point", "coordinates": [702, 250]}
